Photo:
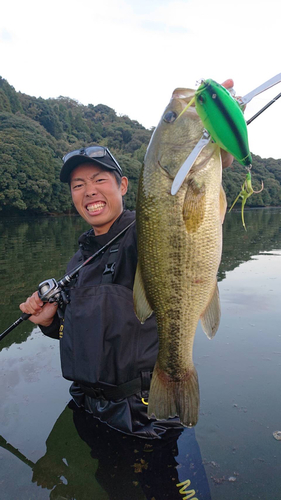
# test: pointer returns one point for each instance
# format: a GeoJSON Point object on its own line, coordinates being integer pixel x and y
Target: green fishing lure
{"type": "Point", "coordinates": [223, 119]}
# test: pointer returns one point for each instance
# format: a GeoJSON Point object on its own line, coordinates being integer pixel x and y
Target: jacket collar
{"type": "Point", "coordinates": [89, 240]}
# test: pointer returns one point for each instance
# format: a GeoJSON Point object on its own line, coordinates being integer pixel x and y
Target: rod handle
{"type": "Point", "coordinates": [25, 316]}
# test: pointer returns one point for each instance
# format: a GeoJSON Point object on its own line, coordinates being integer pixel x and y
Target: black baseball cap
{"type": "Point", "coordinates": [98, 155]}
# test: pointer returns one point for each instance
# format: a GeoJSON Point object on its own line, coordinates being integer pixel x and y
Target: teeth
{"type": "Point", "coordinates": [95, 206]}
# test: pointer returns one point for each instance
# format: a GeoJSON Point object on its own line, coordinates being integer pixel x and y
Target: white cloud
{"type": "Point", "coordinates": [5, 36]}
{"type": "Point", "coordinates": [131, 54]}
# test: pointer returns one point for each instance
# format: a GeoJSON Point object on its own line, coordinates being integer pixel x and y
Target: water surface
{"type": "Point", "coordinates": [232, 453]}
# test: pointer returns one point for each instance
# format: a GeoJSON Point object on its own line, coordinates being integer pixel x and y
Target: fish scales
{"type": "Point", "coordinates": [179, 247]}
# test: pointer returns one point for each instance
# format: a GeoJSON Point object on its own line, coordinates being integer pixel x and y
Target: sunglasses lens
{"type": "Point", "coordinates": [91, 152]}
{"type": "Point", "coordinates": [69, 155]}
{"type": "Point", "coordinates": [95, 152]}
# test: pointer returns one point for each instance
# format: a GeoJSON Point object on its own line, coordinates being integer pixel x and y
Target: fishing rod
{"type": "Point", "coordinates": [53, 291]}
{"type": "Point", "coordinates": [263, 109]}
{"type": "Point", "coordinates": [7, 446]}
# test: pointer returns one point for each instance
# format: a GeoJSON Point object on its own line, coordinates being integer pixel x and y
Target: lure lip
{"type": "Point", "coordinates": [189, 162]}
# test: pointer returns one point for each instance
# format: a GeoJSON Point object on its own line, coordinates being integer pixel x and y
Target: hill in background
{"type": "Point", "coordinates": [35, 133]}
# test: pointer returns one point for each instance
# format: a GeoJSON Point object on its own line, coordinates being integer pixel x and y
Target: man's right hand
{"type": "Point", "coordinates": [42, 313]}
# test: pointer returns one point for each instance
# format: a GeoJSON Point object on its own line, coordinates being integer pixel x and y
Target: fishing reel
{"type": "Point", "coordinates": [52, 291]}
{"type": "Point", "coordinates": [49, 291]}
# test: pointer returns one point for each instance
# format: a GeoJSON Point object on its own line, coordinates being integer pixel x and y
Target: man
{"type": "Point", "coordinates": [107, 353]}
{"type": "Point", "coordinates": [105, 350]}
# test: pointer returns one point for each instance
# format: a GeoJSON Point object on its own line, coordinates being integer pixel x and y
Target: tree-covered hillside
{"type": "Point", "coordinates": [35, 133]}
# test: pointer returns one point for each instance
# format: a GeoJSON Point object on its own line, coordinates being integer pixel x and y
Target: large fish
{"type": "Point", "coordinates": [179, 248]}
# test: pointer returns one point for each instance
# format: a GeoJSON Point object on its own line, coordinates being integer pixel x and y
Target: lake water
{"type": "Point", "coordinates": [232, 453]}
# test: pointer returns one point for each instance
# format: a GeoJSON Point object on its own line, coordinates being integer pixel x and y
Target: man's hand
{"type": "Point", "coordinates": [228, 84]}
{"type": "Point", "coordinates": [42, 313]}
{"type": "Point", "coordinates": [47, 472]}
{"type": "Point", "coordinates": [226, 159]}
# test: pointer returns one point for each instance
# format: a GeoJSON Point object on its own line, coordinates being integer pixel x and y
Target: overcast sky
{"type": "Point", "coordinates": [132, 54]}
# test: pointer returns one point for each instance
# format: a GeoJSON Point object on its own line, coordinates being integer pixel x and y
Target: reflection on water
{"type": "Point", "coordinates": [54, 452]}
{"type": "Point", "coordinates": [262, 235]}
{"type": "Point", "coordinates": [110, 465]}
{"type": "Point", "coordinates": [32, 250]}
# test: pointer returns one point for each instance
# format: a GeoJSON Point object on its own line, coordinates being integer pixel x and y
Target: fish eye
{"type": "Point", "coordinates": [170, 117]}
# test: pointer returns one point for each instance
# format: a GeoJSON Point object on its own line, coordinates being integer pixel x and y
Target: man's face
{"type": "Point", "coordinates": [97, 196]}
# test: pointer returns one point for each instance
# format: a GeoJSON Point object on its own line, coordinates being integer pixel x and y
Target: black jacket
{"type": "Point", "coordinates": [103, 343]}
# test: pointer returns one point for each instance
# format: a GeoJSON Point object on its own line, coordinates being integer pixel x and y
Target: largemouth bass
{"type": "Point", "coordinates": [179, 249]}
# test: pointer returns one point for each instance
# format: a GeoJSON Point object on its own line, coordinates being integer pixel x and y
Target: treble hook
{"type": "Point", "coordinates": [246, 191]}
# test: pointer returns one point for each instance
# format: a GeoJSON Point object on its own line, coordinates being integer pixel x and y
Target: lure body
{"type": "Point", "coordinates": [223, 119]}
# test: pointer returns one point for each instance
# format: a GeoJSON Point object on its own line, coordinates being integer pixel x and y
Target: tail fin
{"type": "Point", "coordinates": [170, 398]}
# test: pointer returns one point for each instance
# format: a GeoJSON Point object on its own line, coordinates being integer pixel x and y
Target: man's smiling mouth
{"type": "Point", "coordinates": [95, 207]}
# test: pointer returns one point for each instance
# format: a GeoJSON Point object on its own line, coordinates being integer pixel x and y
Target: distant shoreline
{"type": "Point", "coordinates": [23, 215]}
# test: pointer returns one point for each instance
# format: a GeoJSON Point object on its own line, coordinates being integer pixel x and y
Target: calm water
{"type": "Point", "coordinates": [46, 453]}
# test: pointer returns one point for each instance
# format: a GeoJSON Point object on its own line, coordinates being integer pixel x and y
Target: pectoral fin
{"type": "Point", "coordinates": [194, 206]}
{"type": "Point", "coordinates": [210, 320]}
{"type": "Point", "coordinates": [141, 305]}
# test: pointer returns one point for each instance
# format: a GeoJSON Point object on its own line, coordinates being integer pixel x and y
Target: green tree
{"type": "Point", "coordinates": [35, 134]}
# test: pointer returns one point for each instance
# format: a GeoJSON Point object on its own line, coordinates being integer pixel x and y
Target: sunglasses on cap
{"type": "Point", "coordinates": [96, 152]}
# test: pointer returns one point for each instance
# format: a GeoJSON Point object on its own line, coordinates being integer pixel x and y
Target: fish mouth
{"type": "Point", "coordinates": [186, 99]}
{"type": "Point", "coordinates": [95, 208]}
{"type": "Point", "coordinates": [186, 94]}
